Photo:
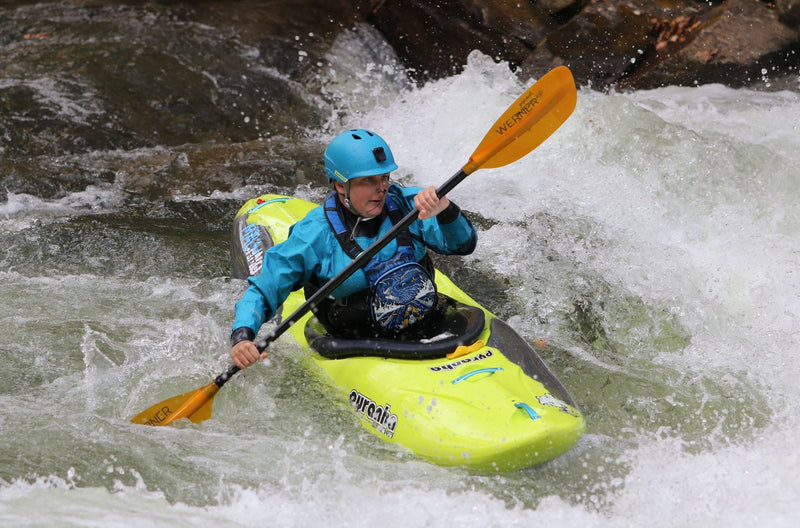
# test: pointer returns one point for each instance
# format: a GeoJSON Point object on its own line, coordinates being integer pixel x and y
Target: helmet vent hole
{"type": "Point", "coordinates": [380, 154]}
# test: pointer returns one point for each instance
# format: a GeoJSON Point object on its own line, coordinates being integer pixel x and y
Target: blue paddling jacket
{"type": "Point", "coordinates": [312, 255]}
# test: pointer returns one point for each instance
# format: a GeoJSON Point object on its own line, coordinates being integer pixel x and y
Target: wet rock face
{"type": "Point", "coordinates": [788, 13]}
{"type": "Point", "coordinates": [709, 48]}
{"type": "Point", "coordinates": [138, 75]}
{"type": "Point", "coordinates": [155, 80]}
{"type": "Point", "coordinates": [601, 45]}
{"type": "Point", "coordinates": [433, 39]}
{"type": "Point", "coordinates": [195, 96]}
{"type": "Point", "coordinates": [629, 44]}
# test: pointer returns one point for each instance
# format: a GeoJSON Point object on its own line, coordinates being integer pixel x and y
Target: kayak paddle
{"type": "Point", "coordinates": [531, 119]}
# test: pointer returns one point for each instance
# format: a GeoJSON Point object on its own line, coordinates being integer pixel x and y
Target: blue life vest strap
{"type": "Point", "coordinates": [349, 245]}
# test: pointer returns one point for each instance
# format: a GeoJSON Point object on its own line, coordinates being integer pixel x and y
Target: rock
{"type": "Point", "coordinates": [292, 36]}
{"type": "Point", "coordinates": [154, 93]}
{"type": "Point", "coordinates": [601, 45]}
{"type": "Point", "coordinates": [789, 13]}
{"type": "Point", "coordinates": [629, 44]}
{"type": "Point", "coordinates": [274, 164]}
{"type": "Point", "coordinates": [166, 96]}
{"type": "Point", "coordinates": [710, 49]}
{"type": "Point", "coordinates": [433, 39]}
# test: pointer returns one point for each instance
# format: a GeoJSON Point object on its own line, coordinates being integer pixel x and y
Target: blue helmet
{"type": "Point", "coordinates": [357, 153]}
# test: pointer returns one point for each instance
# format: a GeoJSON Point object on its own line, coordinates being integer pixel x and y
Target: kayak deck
{"type": "Point", "coordinates": [495, 407]}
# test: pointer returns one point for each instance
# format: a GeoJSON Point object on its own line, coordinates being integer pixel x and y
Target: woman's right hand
{"type": "Point", "coordinates": [245, 353]}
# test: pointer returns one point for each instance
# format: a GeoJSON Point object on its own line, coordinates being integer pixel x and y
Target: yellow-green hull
{"type": "Point", "coordinates": [480, 409]}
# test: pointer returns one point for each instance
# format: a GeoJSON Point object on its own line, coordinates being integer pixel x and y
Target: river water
{"type": "Point", "coordinates": [652, 241]}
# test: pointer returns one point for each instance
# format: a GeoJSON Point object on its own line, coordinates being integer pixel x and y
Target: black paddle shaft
{"type": "Point", "coordinates": [360, 261]}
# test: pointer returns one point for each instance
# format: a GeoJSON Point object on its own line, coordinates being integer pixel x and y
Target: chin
{"type": "Point", "coordinates": [374, 211]}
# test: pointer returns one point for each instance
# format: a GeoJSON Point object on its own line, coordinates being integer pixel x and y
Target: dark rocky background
{"type": "Point", "coordinates": [627, 44]}
{"type": "Point", "coordinates": [167, 97]}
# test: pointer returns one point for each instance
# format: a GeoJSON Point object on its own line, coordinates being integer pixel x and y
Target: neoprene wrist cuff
{"type": "Point", "coordinates": [449, 215]}
{"type": "Point", "coordinates": [242, 334]}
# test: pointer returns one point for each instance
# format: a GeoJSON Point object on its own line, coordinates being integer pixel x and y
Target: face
{"type": "Point", "coordinates": [367, 194]}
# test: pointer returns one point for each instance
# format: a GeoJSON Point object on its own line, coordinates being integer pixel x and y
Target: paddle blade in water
{"type": "Point", "coordinates": [195, 405]}
{"type": "Point", "coordinates": [531, 119]}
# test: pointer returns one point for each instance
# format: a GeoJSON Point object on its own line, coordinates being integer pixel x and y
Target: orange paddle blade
{"type": "Point", "coordinates": [531, 119]}
{"type": "Point", "coordinates": [195, 405]}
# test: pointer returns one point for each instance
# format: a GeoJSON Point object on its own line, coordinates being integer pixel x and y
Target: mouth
{"type": "Point", "coordinates": [375, 205]}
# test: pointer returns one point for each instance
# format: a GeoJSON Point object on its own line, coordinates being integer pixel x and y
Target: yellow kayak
{"type": "Point", "coordinates": [474, 395]}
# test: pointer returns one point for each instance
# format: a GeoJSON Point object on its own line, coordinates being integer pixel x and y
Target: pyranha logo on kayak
{"type": "Point", "coordinates": [381, 418]}
{"type": "Point", "coordinates": [454, 364]}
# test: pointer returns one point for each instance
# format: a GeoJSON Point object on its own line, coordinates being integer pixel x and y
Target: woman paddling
{"type": "Point", "coordinates": [394, 292]}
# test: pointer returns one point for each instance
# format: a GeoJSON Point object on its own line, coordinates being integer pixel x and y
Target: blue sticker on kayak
{"type": "Point", "coordinates": [252, 247]}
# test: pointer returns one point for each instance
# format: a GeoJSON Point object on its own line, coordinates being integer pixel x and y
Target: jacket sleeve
{"type": "Point", "coordinates": [459, 235]}
{"type": "Point", "coordinates": [449, 232]}
{"type": "Point", "coordinates": [287, 266]}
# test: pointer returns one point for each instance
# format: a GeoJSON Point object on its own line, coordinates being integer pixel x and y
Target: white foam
{"type": "Point", "coordinates": [665, 197]}
{"type": "Point", "coordinates": [20, 210]}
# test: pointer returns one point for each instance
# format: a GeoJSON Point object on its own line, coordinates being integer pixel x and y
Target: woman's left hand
{"type": "Point", "coordinates": [428, 204]}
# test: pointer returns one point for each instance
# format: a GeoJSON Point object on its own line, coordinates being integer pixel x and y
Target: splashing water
{"type": "Point", "coordinates": [653, 239]}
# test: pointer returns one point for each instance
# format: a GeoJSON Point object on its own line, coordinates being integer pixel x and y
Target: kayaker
{"type": "Point", "coordinates": [395, 291]}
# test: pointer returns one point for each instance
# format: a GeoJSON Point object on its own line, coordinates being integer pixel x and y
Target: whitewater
{"type": "Point", "coordinates": [654, 239]}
